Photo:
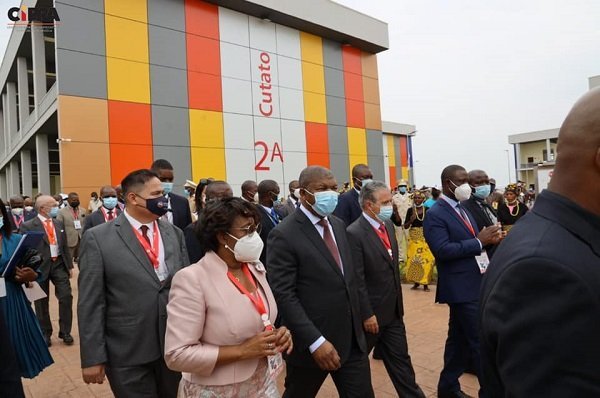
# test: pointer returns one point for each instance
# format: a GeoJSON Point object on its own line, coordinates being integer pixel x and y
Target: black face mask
{"type": "Point", "coordinates": [75, 204]}
{"type": "Point", "coordinates": [158, 206]}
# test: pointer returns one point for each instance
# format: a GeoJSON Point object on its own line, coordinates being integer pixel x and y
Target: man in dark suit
{"type": "Point", "coordinates": [126, 270]}
{"type": "Point", "coordinates": [540, 296]}
{"type": "Point", "coordinates": [458, 248]}
{"type": "Point", "coordinates": [483, 214]}
{"type": "Point", "coordinates": [312, 275]}
{"type": "Point", "coordinates": [292, 202]}
{"type": "Point", "coordinates": [375, 254]}
{"type": "Point", "coordinates": [16, 213]}
{"type": "Point", "coordinates": [57, 267]}
{"type": "Point", "coordinates": [348, 208]}
{"type": "Point", "coordinates": [268, 195]}
{"type": "Point", "coordinates": [179, 213]}
{"type": "Point", "coordinates": [29, 210]}
{"type": "Point", "coordinates": [108, 212]}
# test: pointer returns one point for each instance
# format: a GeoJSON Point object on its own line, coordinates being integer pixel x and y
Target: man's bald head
{"type": "Point", "coordinates": [218, 190]}
{"type": "Point", "coordinates": [478, 177]}
{"type": "Point", "coordinates": [312, 174]}
{"type": "Point", "coordinates": [578, 153]}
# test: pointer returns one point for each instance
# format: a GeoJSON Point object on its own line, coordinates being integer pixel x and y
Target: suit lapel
{"type": "Point", "coordinates": [375, 239]}
{"type": "Point", "coordinates": [166, 235]}
{"type": "Point", "coordinates": [125, 232]}
{"type": "Point", "coordinates": [313, 235]}
{"type": "Point", "coordinates": [37, 224]}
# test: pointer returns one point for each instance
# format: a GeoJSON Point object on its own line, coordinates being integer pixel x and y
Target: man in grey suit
{"type": "Point", "coordinates": [125, 275]}
{"type": "Point", "coordinates": [375, 254]}
{"type": "Point", "coordinates": [57, 267]}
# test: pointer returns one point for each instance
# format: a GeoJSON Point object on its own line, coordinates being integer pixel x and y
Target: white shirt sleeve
{"type": "Point", "coordinates": [318, 343]}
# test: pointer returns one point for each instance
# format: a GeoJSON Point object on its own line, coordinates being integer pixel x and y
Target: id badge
{"type": "Point", "coordinates": [77, 224]}
{"type": "Point", "coordinates": [2, 287]}
{"type": "Point", "coordinates": [275, 363]}
{"type": "Point", "coordinates": [53, 250]}
{"type": "Point", "coordinates": [482, 261]}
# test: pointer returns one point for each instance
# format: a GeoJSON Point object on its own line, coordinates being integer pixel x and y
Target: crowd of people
{"type": "Point", "coordinates": [208, 294]}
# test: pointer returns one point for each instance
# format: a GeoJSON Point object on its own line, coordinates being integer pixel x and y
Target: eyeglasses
{"type": "Point", "coordinates": [250, 229]}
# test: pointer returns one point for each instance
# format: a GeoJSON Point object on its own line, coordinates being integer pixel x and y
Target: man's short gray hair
{"type": "Point", "coordinates": [367, 192]}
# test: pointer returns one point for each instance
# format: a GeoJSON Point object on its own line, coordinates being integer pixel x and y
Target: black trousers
{"type": "Point", "coordinates": [393, 349]}
{"type": "Point", "coordinates": [59, 275]}
{"type": "Point", "coordinates": [352, 380]}
{"type": "Point", "coordinates": [462, 345]}
{"type": "Point", "coordinates": [151, 380]}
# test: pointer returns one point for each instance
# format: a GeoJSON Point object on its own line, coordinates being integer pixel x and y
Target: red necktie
{"type": "Point", "coordinates": [382, 232]}
{"type": "Point", "coordinates": [110, 216]}
{"type": "Point", "coordinates": [330, 242]}
{"type": "Point", "coordinates": [144, 229]}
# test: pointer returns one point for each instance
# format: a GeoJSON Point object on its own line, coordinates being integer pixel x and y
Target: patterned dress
{"type": "Point", "coordinates": [420, 260]}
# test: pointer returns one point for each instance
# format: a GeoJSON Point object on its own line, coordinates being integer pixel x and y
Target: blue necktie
{"type": "Point", "coordinates": [274, 216]}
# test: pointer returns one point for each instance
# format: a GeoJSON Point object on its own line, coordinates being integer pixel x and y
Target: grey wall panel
{"type": "Point", "coordinates": [398, 158]}
{"type": "Point", "coordinates": [94, 5]}
{"type": "Point", "coordinates": [80, 30]}
{"type": "Point", "coordinates": [170, 126]}
{"type": "Point", "coordinates": [375, 154]}
{"type": "Point", "coordinates": [81, 74]}
{"type": "Point", "coordinates": [336, 111]}
{"type": "Point", "coordinates": [169, 14]}
{"type": "Point", "coordinates": [338, 152]}
{"type": "Point", "coordinates": [334, 82]}
{"type": "Point", "coordinates": [167, 47]}
{"type": "Point", "coordinates": [168, 86]}
{"type": "Point", "coordinates": [181, 161]}
{"type": "Point", "coordinates": [332, 54]}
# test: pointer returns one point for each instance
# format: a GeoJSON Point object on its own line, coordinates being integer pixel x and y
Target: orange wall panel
{"type": "Point", "coordinates": [404, 150]}
{"type": "Point", "coordinates": [202, 18]}
{"type": "Point", "coordinates": [125, 158]}
{"type": "Point", "coordinates": [352, 60]}
{"type": "Point", "coordinates": [203, 55]}
{"type": "Point", "coordinates": [372, 116]}
{"type": "Point", "coordinates": [392, 171]}
{"type": "Point", "coordinates": [369, 65]}
{"type": "Point", "coordinates": [317, 144]}
{"type": "Point", "coordinates": [353, 85]}
{"type": "Point", "coordinates": [204, 92]}
{"type": "Point", "coordinates": [355, 114]}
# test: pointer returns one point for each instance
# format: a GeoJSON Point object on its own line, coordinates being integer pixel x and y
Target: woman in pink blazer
{"type": "Point", "coordinates": [221, 311]}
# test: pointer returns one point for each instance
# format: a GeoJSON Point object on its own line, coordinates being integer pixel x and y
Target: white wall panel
{"type": "Point", "coordinates": [233, 27]}
{"type": "Point", "coordinates": [293, 139]}
{"type": "Point", "coordinates": [235, 61]}
{"type": "Point", "coordinates": [288, 42]}
{"type": "Point", "coordinates": [268, 149]}
{"type": "Point", "coordinates": [291, 103]}
{"type": "Point", "coordinates": [237, 96]}
{"type": "Point", "coordinates": [262, 35]}
{"type": "Point", "coordinates": [289, 72]}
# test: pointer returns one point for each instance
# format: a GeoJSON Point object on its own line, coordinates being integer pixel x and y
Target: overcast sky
{"type": "Point", "coordinates": [469, 73]}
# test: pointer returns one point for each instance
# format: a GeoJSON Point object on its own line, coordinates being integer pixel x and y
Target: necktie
{"type": "Point", "coordinates": [297, 204]}
{"type": "Point", "coordinates": [330, 242]}
{"type": "Point", "coordinates": [110, 215]}
{"type": "Point", "coordinates": [384, 237]}
{"type": "Point", "coordinates": [274, 216]}
{"type": "Point", "coordinates": [144, 229]}
{"type": "Point", "coordinates": [49, 227]}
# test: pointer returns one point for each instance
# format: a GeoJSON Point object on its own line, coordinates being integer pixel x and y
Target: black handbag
{"type": "Point", "coordinates": [31, 259]}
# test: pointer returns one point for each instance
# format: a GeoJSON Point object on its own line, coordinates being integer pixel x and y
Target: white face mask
{"type": "Point", "coordinates": [248, 248]}
{"type": "Point", "coordinates": [256, 197]}
{"type": "Point", "coordinates": [29, 208]}
{"type": "Point", "coordinates": [462, 192]}
{"type": "Point", "coordinates": [297, 193]}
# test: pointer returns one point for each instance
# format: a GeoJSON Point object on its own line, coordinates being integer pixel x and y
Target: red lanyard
{"type": "Point", "coordinates": [466, 221]}
{"type": "Point", "coordinates": [18, 220]}
{"type": "Point", "coordinates": [255, 298]}
{"type": "Point", "coordinates": [75, 213]}
{"type": "Point", "coordinates": [384, 238]}
{"type": "Point", "coordinates": [151, 251]}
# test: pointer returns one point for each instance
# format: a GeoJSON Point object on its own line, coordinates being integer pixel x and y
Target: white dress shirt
{"type": "Point", "coordinates": [162, 272]}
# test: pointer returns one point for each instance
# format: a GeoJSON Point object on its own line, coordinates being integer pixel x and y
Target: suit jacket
{"type": "Point", "coordinates": [180, 207]}
{"type": "Point", "coordinates": [122, 307]}
{"type": "Point", "coordinates": [454, 248]}
{"type": "Point", "coordinates": [97, 218]}
{"type": "Point", "coordinates": [65, 216]}
{"type": "Point", "coordinates": [481, 218]}
{"type": "Point", "coordinates": [206, 311]}
{"type": "Point", "coordinates": [35, 225]}
{"type": "Point", "coordinates": [286, 208]}
{"type": "Point", "coordinates": [266, 225]}
{"type": "Point", "coordinates": [314, 297]}
{"type": "Point", "coordinates": [348, 208]}
{"type": "Point", "coordinates": [11, 219]}
{"type": "Point", "coordinates": [30, 214]}
{"type": "Point", "coordinates": [193, 245]}
{"type": "Point", "coordinates": [378, 273]}
{"type": "Point", "coordinates": [539, 302]}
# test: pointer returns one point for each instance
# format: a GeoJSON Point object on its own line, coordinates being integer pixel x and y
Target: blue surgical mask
{"type": "Point", "coordinates": [109, 202]}
{"type": "Point", "coordinates": [167, 187]}
{"type": "Point", "coordinates": [385, 213]}
{"type": "Point", "coordinates": [325, 202]}
{"type": "Point", "coordinates": [53, 212]}
{"type": "Point", "coordinates": [186, 193]}
{"type": "Point", "coordinates": [482, 191]}
{"type": "Point", "coordinates": [402, 190]}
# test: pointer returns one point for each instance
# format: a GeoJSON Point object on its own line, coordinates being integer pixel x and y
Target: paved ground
{"type": "Point", "coordinates": [426, 325]}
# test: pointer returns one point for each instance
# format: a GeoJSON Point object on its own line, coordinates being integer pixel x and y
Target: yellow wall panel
{"type": "Point", "coordinates": [405, 173]}
{"type": "Point", "coordinates": [207, 145]}
{"type": "Point", "coordinates": [312, 48]}
{"type": "Point", "coordinates": [128, 80]}
{"type": "Point", "coordinates": [126, 39]}
{"type": "Point", "coordinates": [315, 108]}
{"type": "Point", "coordinates": [130, 9]}
{"type": "Point", "coordinates": [357, 146]}
{"type": "Point", "coordinates": [391, 152]}
{"type": "Point", "coordinates": [313, 77]}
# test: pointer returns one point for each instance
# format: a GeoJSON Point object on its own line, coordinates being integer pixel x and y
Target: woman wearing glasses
{"type": "Point", "coordinates": [221, 311]}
